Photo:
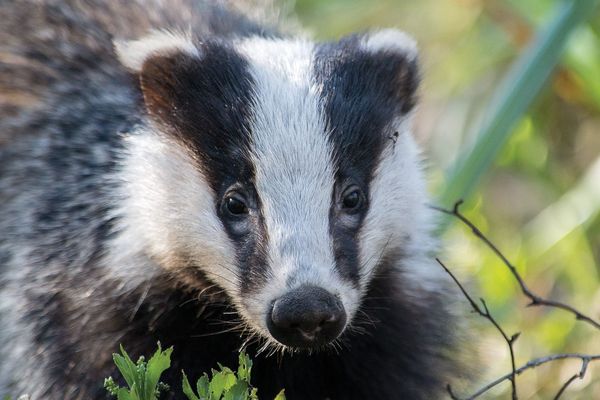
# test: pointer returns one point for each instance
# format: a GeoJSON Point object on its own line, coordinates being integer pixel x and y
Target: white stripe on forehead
{"type": "Point", "coordinates": [292, 157]}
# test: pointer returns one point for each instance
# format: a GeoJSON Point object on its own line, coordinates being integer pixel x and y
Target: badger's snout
{"type": "Point", "coordinates": [308, 316]}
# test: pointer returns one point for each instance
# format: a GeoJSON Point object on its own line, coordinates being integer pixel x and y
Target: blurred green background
{"type": "Point", "coordinates": [540, 199]}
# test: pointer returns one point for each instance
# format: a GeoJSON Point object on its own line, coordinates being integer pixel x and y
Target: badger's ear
{"type": "Point", "coordinates": [395, 56]}
{"type": "Point", "coordinates": [390, 41]}
{"type": "Point", "coordinates": [134, 53]}
{"type": "Point", "coordinates": [376, 71]}
{"type": "Point", "coordinates": [198, 92]}
{"type": "Point", "coordinates": [160, 59]}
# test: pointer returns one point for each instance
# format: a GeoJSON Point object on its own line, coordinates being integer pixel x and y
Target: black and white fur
{"type": "Point", "coordinates": [123, 124]}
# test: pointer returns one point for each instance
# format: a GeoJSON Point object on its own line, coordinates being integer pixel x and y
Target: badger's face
{"type": "Point", "coordinates": [282, 171]}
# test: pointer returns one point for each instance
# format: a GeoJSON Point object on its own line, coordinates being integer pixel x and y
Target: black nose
{"type": "Point", "coordinates": [308, 316]}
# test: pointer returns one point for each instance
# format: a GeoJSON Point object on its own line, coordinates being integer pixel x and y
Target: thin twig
{"type": "Point", "coordinates": [535, 299]}
{"type": "Point", "coordinates": [564, 387]}
{"type": "Point", "coordinates": [580, 375]}
{"type": "Point", "coordinates": [587, 358]}
{"type": "Point", "coordinates": [485, 312]}
{"type": "Point", "coordinates": [451, 393]}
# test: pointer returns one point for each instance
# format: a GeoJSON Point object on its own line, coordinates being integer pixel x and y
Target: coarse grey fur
{"type": "Point", "coordinates": [66, 105]}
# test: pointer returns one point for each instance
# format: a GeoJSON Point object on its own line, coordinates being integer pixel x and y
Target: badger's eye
{"type": "Point", "coordinates": [235, 205]}
{"type": "Point", "coordinates": [352, 199]}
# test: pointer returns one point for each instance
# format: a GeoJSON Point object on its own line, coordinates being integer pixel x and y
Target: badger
{"type": "Point", "coordinates": [180, 171]}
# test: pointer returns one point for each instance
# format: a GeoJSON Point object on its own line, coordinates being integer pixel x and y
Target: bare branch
{"type": "Point", "coordinates": [587, 358]}
{"type": "Point", "coordinates": [485, 312]}
{"type": "Point", "coordinates": [580, 375]}
{"type": "Point", "coordinates": [535, 299]}
{"type": "Point", "coordinates": [564, 387]}
{"type": "Point", "coordinates": [451, 393]}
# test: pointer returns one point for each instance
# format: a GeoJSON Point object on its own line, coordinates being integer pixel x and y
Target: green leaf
{"type": "Point", "coordinates": [245, 367]}
{"type": "Point", "coordinates": [239, 391]}
{"type": "Point", "coordinates": [203, 387]}
{"type": "Point", "coordinates": [126, 366]}
{"type": "Point", "coordinates": [218, 384]}
{"type": "Point", "coordinates": [123, 394]}
{"type": "Point", "coordinates": [230, 378]}
{"type": "Point", "coordinates": [187, 389]}
{"type": "Point", "coordinates": [158, 363]}
{"type": "Point", "coordinates": [142, 377]}
{"type": "Point", "coordinates": [280, 395]}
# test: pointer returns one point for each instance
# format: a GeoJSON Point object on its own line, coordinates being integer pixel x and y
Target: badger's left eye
{"type": "Point", "coordinates": [352, 199]}
{"type": "Point", "coordinates": [235, 205]}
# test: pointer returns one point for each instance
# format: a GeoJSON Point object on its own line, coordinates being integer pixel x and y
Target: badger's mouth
{"type": "Point", "coordinates": [306, 317]}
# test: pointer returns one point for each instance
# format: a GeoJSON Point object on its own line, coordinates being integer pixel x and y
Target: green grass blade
{"type": "Point", "coordinates": [518, 89]}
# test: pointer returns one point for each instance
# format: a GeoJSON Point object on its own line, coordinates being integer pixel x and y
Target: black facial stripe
{"type": "Point", "coordinates": [252, 256]}
{"type": "Point", "coordinates": [362, 93]}
{"type": "Point", "coordinates": [206, 103]}
{"type": "Point", "coordinates": [345, 248]}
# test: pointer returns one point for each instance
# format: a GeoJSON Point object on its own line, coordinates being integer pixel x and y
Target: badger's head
{"type": "Point", "coordinates": [282, 171]}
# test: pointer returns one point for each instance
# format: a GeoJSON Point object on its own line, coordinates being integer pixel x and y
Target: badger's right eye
{"type": "Point", "coordinates": [235, 205]}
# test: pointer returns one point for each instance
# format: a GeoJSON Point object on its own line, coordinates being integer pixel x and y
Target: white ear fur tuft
{"type": "Point", "coordinates": [391, 40]}
{"type": "Point", "coordinates": [133, 53]}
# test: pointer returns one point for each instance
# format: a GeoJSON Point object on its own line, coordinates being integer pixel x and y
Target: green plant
{"type": "Point", "coordinates": [225, 384]}
{"type": "Point", "coordinates": [143, 377]}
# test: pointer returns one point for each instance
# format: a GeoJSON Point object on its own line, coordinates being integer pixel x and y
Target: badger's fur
{"type": "Point", "coordinates": [169, 170]}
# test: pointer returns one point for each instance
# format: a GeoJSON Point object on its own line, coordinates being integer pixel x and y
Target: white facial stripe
{"type": "Point", "coordinates": [292, 158]}
{"type": "Point", "coordinates": [398, 217]}
{"type": "Point", "coordinates": [168, 212]}
{"type": "Point", "coordinates": [293, 170]}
